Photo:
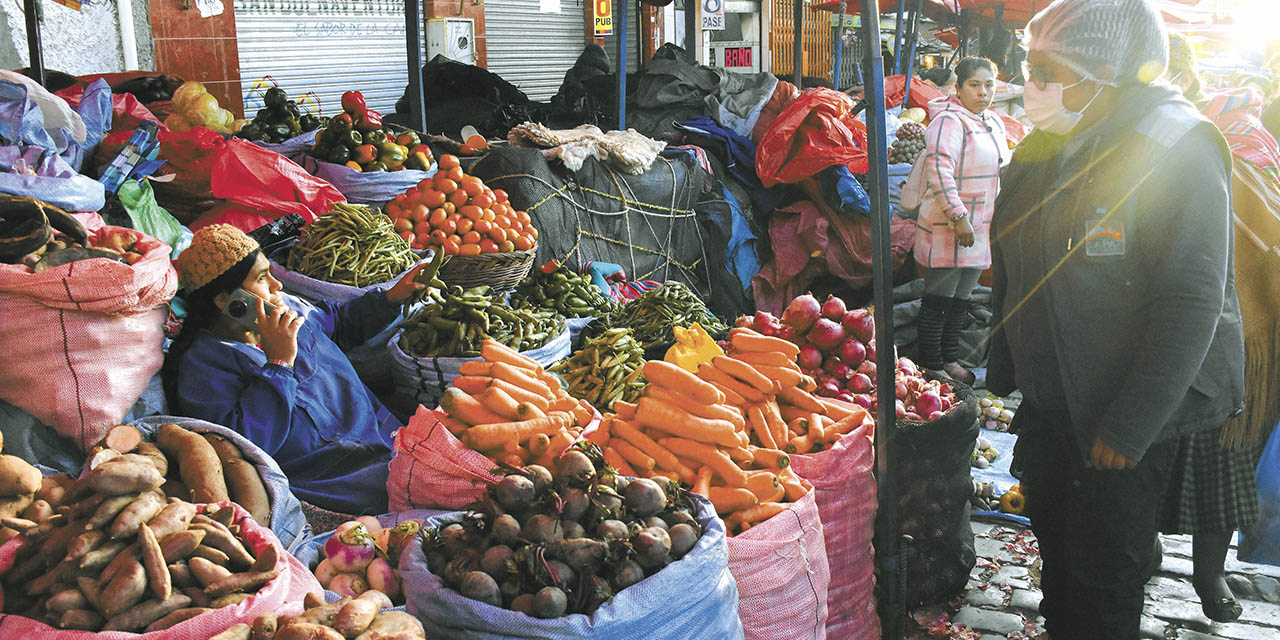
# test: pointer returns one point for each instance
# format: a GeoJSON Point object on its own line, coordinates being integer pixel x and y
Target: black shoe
{"type": "Point", "coordinates": [1222, 609]}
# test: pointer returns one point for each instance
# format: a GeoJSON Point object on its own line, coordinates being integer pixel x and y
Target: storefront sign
{"type": "Point", "coordinates": [603, 10]}
{"type": "Point", "coordinates": [737, 57]}
{"type": "Point", "coordinates": [713, 15]}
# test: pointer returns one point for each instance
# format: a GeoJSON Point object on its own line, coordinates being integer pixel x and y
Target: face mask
{"type": "Point", "coordinates": [1045, 108]}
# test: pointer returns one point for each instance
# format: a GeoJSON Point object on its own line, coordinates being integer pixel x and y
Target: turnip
{"type": "Point", "coordinates": [1006, 416]}
{"type": "Point", "coordinates": [826, 335]}
{"type": "Point", "coordinates": [506, 529]}
{"type": "Point", "coordinates": [398, 535]}
{"type": "Point", "coordinates": [583, 555]}
{"type": "Point", "coordinates": [810, 358]}
{"type": "Point", "coordinates": [514, 493]}
{"type": "Point", "coordinates": [612, 529]}
{"type": "Point", "coordinates": [382, 576]}
{"type": "Point", "coordinates": [575, 467]}
{"type": "Point", "coordinates": [991, 412]}
{"type": "Point", "coordinates": [572, 529]}
{"type": "Point", "coordinates": [542, 528]}
{"type": "Point", "coordinates": [652, 546]}
{"type": "Point", "coordinates": [350, 549]}
{"type": "Point", "coordinates": [853, 352]}
{"type": "Point", "coordinates": [981, 462]}
{"type": "Point", "coordinates": [496, 561]}
{"type": "Point", "coordinates": [523, 603]}
{"type": "Point", "coordinates": [802, 312]}
{"type": "Point", "coordinates": [325, 572]}
{"type": "Point", "coordinates": [549, 602]}
{"type": "Point", "coordinates": [541, 477]}
{"type": "Point", "coordinates": [860, 383]}
{"type": "Point", "coordinates": [833, 309]}
{"type": "Point", "coordinates": [576, 503]}
{"type": "Point", "coordinates": [348, 584]}
{"type": "Point", "coordinates": [371, 525]}
{"type": "Point", "coordinates": [645, 498]}
{"type": "Point", "coordinates": [627, 574]}
{"type": "Point", "coordinates": [454, 537]}
{"type": "Point", "coordinates": [984, 403]}
{"type": "Point", "coordinates": [479, 585]}
{"type": "Point", "coordinates": [683, 538]}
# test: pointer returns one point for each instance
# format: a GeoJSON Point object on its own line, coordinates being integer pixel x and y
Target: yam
{"type": "Point", "coordinates": [212, 555]}
{"type": "Point", "coordinates": [123, 438]}
{"type": "Point", "coordinates": [100, 557]}
{"type": "Point", "coordinates": [180, 575]}
{"type": "Point", "coordinates": [198, 463]}
{"type": "Point", "coordinates": [38, 511]}
{"type": "Point", "coordinates": [141, 615]}
{"type": "Point", "coordinates": [66, 600]}
{"type": "Point", "coordinates": [18, 477]}
{"type": "Point", "coordinates": [124, 590]}
{"type": "Point", "coordinates": [158, 578]}
{"type": "Point", "coordinates": [238, 631]}
{"type": "Point", "coordinates": [229, 600]}
{"type": "Point", "coordinates": [181, 615]}
{"type": "Point", "coordinates": [53, 489]}
{"type": "Point", "coordinates": [122, 559]}
{"type": "Point", "coordinates": [178, 546]}
{"type": "Point", "coordinates": [142, 510]}
{"type": "Point", "coordinates": [221, 538]}
{"type": "Point", "coordinates": [244, 483]}
{"type": "Point", "coordinates": [173, 518]}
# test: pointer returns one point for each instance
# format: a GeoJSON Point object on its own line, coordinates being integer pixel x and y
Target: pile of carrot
{"type": "Point", "coordinates": [510, 409]}
{"type": "Point", "coordinates": [761, 377]}
{"type": "Point", "coordinates": [683, 429]}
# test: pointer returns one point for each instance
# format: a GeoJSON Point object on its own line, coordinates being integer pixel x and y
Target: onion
{"type": "Point", "coordinates": [810, 358]}
{"type": "Point", "coordinates": [860, 383]}
{"type": "Point", "coordinates": [863, 400]}
{"type": "Point", "coordinates": [906, 366]}
{"type": "Point", "coordinates": [853, 352]}
{"type": "Point", "coordinates": [787, 332]}
{"type": "Point", "coordinates": [928, 403]}
{"type": "Point", "coordinates": [868, 369]}
{"type": "Point", "coordinates": [826, 335]}
{"type": "Point", "coordinates": [843, 371]}
{"type": "Point", "coordinates": [861, 324]}
{"type": "Point", "coordinates": [829, 365]}
{"type": "Point", "coordinates": [744, 322]}
{"type": "Point", "coordinates": [802, 312]}
{"type": "Point", "coordinates": [833, 309]}
{"type": "Point", "coordinates": [768, 330]}
{"type": "Point", "coordinates": [351, 549]}
{"type": "Point", "coordinates": [935, 415]}
{"type": "Point", "coordinates": [829, 388]}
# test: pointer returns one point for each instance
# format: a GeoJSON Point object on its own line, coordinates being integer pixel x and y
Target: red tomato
{"type": "Point", "coordinates": [456, 174]}
{"type": "Point", "coordinates": [471, 237]}
{"type": "Point", "coordinates": [502, 221]}
{"type": "Point", "coordinates": [431, 197]}
{"type": "Point", "coordinates": [449, 208]}
{"type": "Point", "coordinates": [408, 236]}
{"type": "Point", "coordinates": [506, 246]}
{"type": "Point", "coordinates": [465, 225]}
{"type": "Point", "coordinates": [448, 161]}
{"type": "Point", "coordinates": [438, 216]}
{"type": "Point", "coordinates": [500, 196]}
{"type": "Point", "coordinates": [423, 239]}
{"type": "Point", "coordinates": [422, 228]}
{"type": "Point", "coordinates": [483, 226]}
{"type": "Point", "coordinates": [471, 212]}
{"type": "Point", "coordinates": [482, 200]}
{"type": "Point", "coordinates": [469, 250]}
{"type": "Point", "coordinates": [523, 243]}
{"type": "Point", "coordinates": [445, 185]}
{"type": "Point", "coordinates": [448, 226]}
{"type": "Point", "coordinates": [438, 237]}
{"type": "Point", "coordinates": [419, 213]}
{"type": "Point", "coordinates": [402, 225]}
{"type": "Point", "coordinates": [450, 247]}
{"type": "Point", "coordinates": [399, 200]}
{"type": "Point", "coordinates": [459, 198]}
{"type": "Point", "coordinates": [497, 234]}
{"type": "Point", "coordinates": [488, 246]}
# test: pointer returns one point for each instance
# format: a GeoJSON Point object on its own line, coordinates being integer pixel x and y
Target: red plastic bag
{"type": "Point", "coordinates": [816, 131]}
{"type": "Point", "coordinates": [261, 186]}
{"type": "Point", "coordinates": [783, 95]}
{"type": "Point", "coordinates": [921, 93]}
{"type": "Point", "coordinates": [126, 112]}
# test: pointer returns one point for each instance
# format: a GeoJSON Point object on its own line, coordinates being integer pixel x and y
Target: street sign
{"type": "Point", "coordinates": [603, 12]}
{"type": "Point", "coordinates": [713, 15]}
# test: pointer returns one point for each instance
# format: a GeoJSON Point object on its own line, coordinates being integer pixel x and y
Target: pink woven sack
{"type": "Point", "coordinates": [81, 341]}
{"type": "Point", "coordinates": [781, 569]}
{"type": "Point", "coordinates": [282, 595]}
{"type": "Point", "coordinates": [845, 491]}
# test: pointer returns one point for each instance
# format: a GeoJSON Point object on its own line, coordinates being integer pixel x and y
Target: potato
{"type": "Point", "coordinates": [18, 477]}
{"type": "Point", "coordinates": [355, 617]}
{"type": "Point", "coordinates": [307, 631]}
{"type": "Point", "coordinates": [317, 615]}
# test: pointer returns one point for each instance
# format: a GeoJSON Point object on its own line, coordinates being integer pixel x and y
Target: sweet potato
{"type": "Point", "coordinates": [198, 463]}
{"type": "Point", "coordinates": [244, 484]}
{"type": "Point", "coordinates": [317, 615]}
{"type": "Point", "coordinates": [180, 545]}
{"type": "Point", "coordinates": [355, 617]}
{"type": "Point", "coordinates": [38, 511]}
{"type": "Point", "coordinates": [229, 600]}
{"type": "Point", "coordinates": [66, 600]}
{"type": "Point", "coordinates": [181, 615]}
{"type": "Point", "coordinates": [180, 575]}
{"type": "Point", "coordinates": [212, 555]}
{"type": "Point", "coordinates": [146, 507]}
{"type": "Point", "coordinates": [238, 631]}
{"type": "Point", "coordinates": [100, 456]}
{"type": "Point", "coordinates": [53, 489]}
{"type": "Point", "coordinates": [155, 455]}
{"type": "Point", "coordinates": [12, 506]}
{"type": "Point", "coordinates": [220, 538]}
{"type": "Point", "coordinates": [388, 623]}
{"type": "Point", "coordinates": [197, 597]}
{"type": "Point", "coordinates": [307, 631]}
{"type": "Point", "coordinates": [174, 517]}
{"type": "Point", "coordinates": [173, 488]}
{"type": "Point", "coordinates": [45, 583]}
{"type": "Point", "coordinates": [205, 572]}
{"type": "Point", "coordinates": [158, 578]}
{"type": "Point", "coordinates": [123, 438]}
{"type": "Point", "coordinates": [265, 626]}
{"type": "Point", "coordinates": [124, 590]}
{"type": "Point", "coordinates": [141, 615]}
{"type": "Point", "coordinates": [109, 509]}
{"type": "Point", "coordinates": [267, 560]}
{"type": "Point", "coordinates": [248, 581]}
{"type": "Point", "coordinates": [121, 477]}
{"type": "Point", "coordinates": [126, 556]}
{"type": "Point", "coordinates": [18, 477]}
{"type": "Point", "coordinates": [80, 620]}
{"type": "Point", "coordinates": [101, 556]}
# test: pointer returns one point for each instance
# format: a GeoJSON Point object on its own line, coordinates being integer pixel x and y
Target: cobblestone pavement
{"type": "Point", "coordinates": [1002, 598]}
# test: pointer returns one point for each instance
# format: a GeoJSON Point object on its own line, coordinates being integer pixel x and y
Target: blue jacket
{"type": "Point", "coordinates": [327, 431]}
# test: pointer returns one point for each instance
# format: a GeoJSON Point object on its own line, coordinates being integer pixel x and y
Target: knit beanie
{"type": "Point", "coordinates": [1113, 42]}
{"type": "Point", "coordinates": [214, 250]}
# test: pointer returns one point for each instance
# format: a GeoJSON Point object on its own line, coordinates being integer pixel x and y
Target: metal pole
{"type": "Point", "coordinates": [911, 55]}
{"type": "Point", "coordinates": [620, 22]}
{"type": "Point", "coordinates": [837, 46]}
{"type": "Point", "coordinates": [797, 50]}
{"type": "Point", "coordinates": [892, 608]}
{"type": "Point", "coordinates": [36, 66]}
{"type": "Point", "coordinates": [413, 42]}
{"type": "Point", "coordinates": [691, 29]}
{"type": "Point", "coordinates": [897, 37]}
{"type": "Point", "coordinates": [642, 33]}
{"type": "Point", "coordinates": [963, 49]}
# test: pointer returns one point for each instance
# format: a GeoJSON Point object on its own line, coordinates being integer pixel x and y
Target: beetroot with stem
{"type": "Point", "coordinates": [506, 529]}
{"type": "Point", "coordinates": [542, 528]}
{"type": "Point", "coordinates": [802, 312]}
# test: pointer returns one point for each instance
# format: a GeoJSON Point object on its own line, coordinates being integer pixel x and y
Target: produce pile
{"type": "Point", "coordinates": [605, 369]}
{"type": "Point", "coordinates": [42, 236]}
{"type": "Point", "coordinates": [653, 316]}
{"type": "Point", "coordinates": [19, 482]}
{"type": "Point", "coordinates": [194, 106]}
{"type": "Point", "coordinates": [994, 416]}
{"type": "Point", "coordinates": [984, 454]}
{"type": "Point", "coordinates": [280, 120]}
{"type": "Point", "coordinates": [357, 139]}
{"type": "Point", "coordinates": [351, 245]}
{"type": "Point", "coordinates": [359, 618]}
{"type": "Point", "coordinates": [909, 145]}
{"type": "Point", "coordinates": [511, 410]}
{"type": "Point", "coordinates": [455, 323]}
{"type": "Point", "coordinates": [560, 288]}
{"type": "Point", "coordinates": [459, 214]}
{"type": "Point", "coordinates": [361, 556]}
{"type": "Point", "coordinates": [553, 545]}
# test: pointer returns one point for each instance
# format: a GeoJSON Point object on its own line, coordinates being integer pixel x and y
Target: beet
{"type": "Point", "coordinates": [575, 467]}
{"type": "Point", "coordinates": [652, 546]}
{"type": "Point", "coordinates": [455, 538]}
{"type": "Point", "coordinates": [572, 529]}
{"type": "Point", "coordinates": [826, 335]}
{"type": "Point", "coordinates": [479, 585]}
{"type": "Point", "coordinates": [612, 529]}
{"type": "Point", "coordinates": [541, 477]}
{"type": "Point", "coordinates": [683, 538]}
{"type": "Point", "coordinates": [627, 574]}
{"type": "Point", "coordinates": [582, 554]}
{"type": "Point", "coordinates": [550, 602]}
{"type": "Point", "coordinates": [542, 528]}
{"type": "Point", "coordinates": [506, 529]}
{"type": "Point", "coordinates": [514, 493]}
{"type": "Point", "coordinates": [833, 309]}
{"type": "Point", "coordinates": [523, 603]}
{"type": "Point", "coordinates": [655, 521]}
{"type": "Point", "coordinates": [560, 573]}
{"type": "Point", "coordinates": [576, 503]}
{"type": "Point", "coordinates": [810, 357]}
{"type": "Point", "coordinates": [802, 312]}
{"type": "Point", "coordinates": [679, 516]}
{"type": "Point", "coordinates": [853, 352]}
{"type": "Point", "coordinates": [645, 498]}
{"type": "Point", "coordinates": [495, 561]}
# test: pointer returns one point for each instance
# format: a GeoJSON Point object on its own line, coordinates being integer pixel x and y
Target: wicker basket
{"type": "Point", "coordinates": [501, 271]}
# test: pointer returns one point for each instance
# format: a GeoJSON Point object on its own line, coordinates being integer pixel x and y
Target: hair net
{"type": "Point", "coordinates": [1114, 42]}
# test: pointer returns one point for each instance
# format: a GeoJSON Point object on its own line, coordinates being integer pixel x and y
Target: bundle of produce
{"type": "Point", "coordinates": [457, 213]}
{"type": "Point", "coordinates": [557, 287]}
{"type": "Point", "coordinates": [357, 139]}
{"type": "Point", "coordinates": [605, 369]}
{"type": "Point", "coordinates": [194, 106]}
{"type": "Point", "coordinates": [550, 545]}
{"type": "Point", "coordinates": [994, 416]}
{"type": "Point", "coordinates": [456, 322]}
{"type": "Point", "coordinates": [654, 316]}
{"type": "Point", "coordinates": [361, 555]}
{"type": "Point", "coordinates": [984, 454]}
{"type": "Point", "coordinates": [985, 498]}
{"type": "Point", "coordinates": [279, 120]}
{"type": "Point", "coordinates": [511, 410]}
{"type": "Point", "coordinates": [351, 245]}
{"type": "Point", "coordinates": [909, 145]}
{"type": "Point", "coordinates": [364, 617]}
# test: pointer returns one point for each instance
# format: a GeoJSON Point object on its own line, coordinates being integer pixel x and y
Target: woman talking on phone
{"type": "Point", "coordinates": [271, 367]}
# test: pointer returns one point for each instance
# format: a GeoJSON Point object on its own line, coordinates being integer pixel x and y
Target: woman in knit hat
{"type": "Point", "coordinates": [277, 373]}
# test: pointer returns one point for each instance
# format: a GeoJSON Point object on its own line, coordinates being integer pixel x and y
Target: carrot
{"type": "Point", "coordinates": [761, 427]}
{"type": "Point", "coordinates": [795, 487]}
{"type": "Point", "coordinates": [638, 459]}
{"type": "Point", "coordinates": [513, 459]}
{"type": "Point", "coordinates": [628, 432]}
{"type": "Point", "coordinates": [740, 455]}
{"type": "Point", "coordinates": [702, 484]}
{"type": "Point", "coordinates": [564, 404]}
{"type": "Point", "coordinates": [711, 374]}
{"type": "Point", "coordinates": [708, 411]}
{"type": "Point", "coordinates": [798, 426]}
{"type": "Point", "coordinates": [559, 442]}
{"type": "Point", "coordinates": [475, 368]}
{"type": "Point", "coordinates": [600, 435]}
{"type": "Point", "coordinates": [539, 444]}
{"type": "Point", "coordinates": [791, 412]}
{"type": "Point", "coordinates": [659, 415]}
{"type": "Point", "coordinates": [472, 384]}
{"type": "Point", "coordinates": [582, 415]}
{"type": "Point", "coordinates": [770, 358]}
{"type": "Point", "coordinates": [765, 485]}
{"type": "Point", "coordinates": [743, 372]}
{"type": "Point", "coordinates": [800, 444]}
{"type": "Point", "coordinates": [615, 460]}
{"type": "Point", "coordinates": [782, 377]}
{"type": "Point", "coordinates": [758, 512]}
{"type": "Point", "coordinates": [770, 458]}
{"type": "Point", "coordinates": [808, 384]}
{"type": "Point", "coordinates": [624, 410]}
{"type": "Point", "coordinates": [552, 382]}
{"type": "Point", "coordinates": [528, 411]}
{"type": "Point", "coordinates": [455, 427]}
{"type": "Point", "coordinates": [686, 474]}
{"type": "Point", "coordinates": [521, 394]}
{"type": "Point", "coordinates": [837, 409]}
{"type": "Point", "coordinates": [677, 379]}
{"type": "Point", "coordinates": [467, 409]}
{"type": "Point", "coordinates": [706, 454]}
{"type": "Point", "coordinates": [744, 339]}
{"type": "Point", "coordinates": [776, 426]}
{"type": "Point", "coordinates": [497, 401]}
{"type": "Point", "coordinates": [843, 426]}
{"type": "Point", "coordinates": [731, 397]}
{"type": "Point", "coordinates": [496, 434]}
{"type": "Point", "coordinates": [521, 378]}
{"type": "Point", "coordinates": [802, 400]}
{"type": "Point", "coordinates": [730, 499]}
{"type": "Point", "coordinates": [494, 351]}
{"type": "Point", "coordinates": [816, 427]}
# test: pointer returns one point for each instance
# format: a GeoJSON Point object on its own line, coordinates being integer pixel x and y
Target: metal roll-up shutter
{"type": "Point", "coordinates": [323, 46]}
{"type": "Point", "coordinates": [633, 38]}
{"type": "Point", "coordinates": [533, 50]}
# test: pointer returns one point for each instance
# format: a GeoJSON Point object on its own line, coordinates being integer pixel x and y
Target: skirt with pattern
{"type": "Point", "coordinates": [1212, 488]}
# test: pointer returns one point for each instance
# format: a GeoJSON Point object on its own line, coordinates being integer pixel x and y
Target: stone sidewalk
{"type": "Point", "coordinates": [1002, 598]}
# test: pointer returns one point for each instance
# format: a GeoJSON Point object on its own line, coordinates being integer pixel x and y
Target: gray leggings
{"type": "Point", "coordinates": [951, 282]}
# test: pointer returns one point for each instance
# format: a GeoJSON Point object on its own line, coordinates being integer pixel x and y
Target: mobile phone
{"type": "Point", "coordinates": [243, 308]}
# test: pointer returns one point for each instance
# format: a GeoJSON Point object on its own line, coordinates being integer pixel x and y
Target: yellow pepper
{"type": "Point", "coordinates": [693, 347]}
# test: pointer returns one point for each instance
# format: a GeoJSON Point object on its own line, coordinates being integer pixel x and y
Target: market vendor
{"type": "Point", "coordinates": [276, 372]}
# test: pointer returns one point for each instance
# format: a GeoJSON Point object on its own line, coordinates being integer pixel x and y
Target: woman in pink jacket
{"type": "Point", "coordinates": [964, 148]}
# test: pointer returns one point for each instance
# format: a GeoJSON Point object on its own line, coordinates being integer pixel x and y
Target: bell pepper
{"type": "Point", "coordinates": [375, 137]}
{"type": "Point", "coordinates": [353, 103]}
{"type": "Point", "coordinates": [418, 161]}
{"type": "Point", "coordinates": [1013, 501]}
{"type": "Point", "coordinates": [341, 122]}
{"type": "Point", "coordinates": [392, 156]}
{"type": "Point", "coordinates": [693, 347]}
{"type": "Point", "coordinates": [365, 153]}
{"type": "Point", "coordinates": [372, 121]}
{"type": "Point", "coordinates": [408, 139]}
{"type": "Point", "coordinates": [352, 138]}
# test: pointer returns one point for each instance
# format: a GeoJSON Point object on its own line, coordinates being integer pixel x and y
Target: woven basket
{"type": "Point", "coordinates": [501, 271]}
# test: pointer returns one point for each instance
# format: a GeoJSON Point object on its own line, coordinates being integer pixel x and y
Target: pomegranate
{"type": "Point", "coordinates": [802, 312]}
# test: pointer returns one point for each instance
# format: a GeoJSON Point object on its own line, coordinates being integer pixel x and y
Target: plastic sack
{"type": "Point", "coordinates": [844, 488]}
{"type": "Point", "coordinates": [282, 595]}
{"type": "Point", "coordinates": [287, 521]}
{"type": "Point", "coordinates": [783, 95]}
{"type": "Point", "coordinates": [139, 201]}
{"type": "Point", "coordinates": [424, 379]}
{"type": "Point", "coordinates": [369, 187]}
{"type": "Point", "coordinates": [82, 340]}
{"type": "Point", "coordinates": [816, 131]}
{"type": "Point", "coordinates": [895, 89]}
{"type": "Point", "coordinates": [30, 115]}
{"type": "Point", "coordinates": [261, 186]}
{"type": "Point", "coordinates": [692, 598]}
{"type": "Point", "coordinates": [781, 569]}
{"type": "Point", "coordinates": [1260, 543]}
{"type": "Point", "coordinates": [41, 173]}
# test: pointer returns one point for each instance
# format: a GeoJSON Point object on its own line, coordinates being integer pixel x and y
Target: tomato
{"type": "Point", "coordinates": [465, 225]}
{"type": "Point", "coordinates": [419, 213]}
{"type": "Point", "coordinates": [422, 228]}
{"type": "Point", "coordinates": [500, 196]}
{"type": "Point", "coordinates": [471, 213]}
{"type": "Point", "coordinates": [532, 232]}
{"type": "Point", "coordinates": [482, 200]}
{"type": "Point", "coordinates": [467, 150]}
{"type": "Point", "coordinates": [407, 235]}
{"type": "Point", "coordinates": [456, 174]}
{"type": "Point", "coordinates": [474, 189]}
{"type": "Point", "coordinates": [502, 221]}
{"type": "Point", "coordinates": [449, 247]}
{"type": "Point", "coordinates": [448, 161]}
{"type": "Point", "coordinates": [449, 225]}
{"type": "Point", "coordinates": [394, 211]}
{"type": "Point", "coordinates": [471, 237]}
{"type": "Point", "coordinates": [426, 183]}
{"type": "Point", "coordinates": [438, 216]}
{"type": "Point", "coordinates": [512, 234]}
{"type": "Point", "coordinates": [517, 226]}
{"type": "Point", "coordinates": [506, 246]}
{"type": "Point", "coordinates": [455, 238]}
{"type": "Point", "coordinates": [498, 235]}
{"type": "Point", "coordinates": [523, 217]}
{"type": "Point", "coordinates": [478, 142]}
{"type": "Point", "coordinates": [449, 208]}
{"type": "Point", "coordinates": [488, 246]}
{"type": "Point", "coordinates": [399, 200]}
{"type": "Point", "coordinates": [483, 226]}
{"type": "Point", "coordinates": [459, 197]}
{"type": "Point", "coordinates": [490, 215]}
{"type": "Point", "coordinates": [432, 198]}
{"type": "Point", "coordinates": [523, 243]}
{"type": "Point", "coordinates": [445, 185]}
{"type": "Point", "coordinates": [438, 237]}
{"type": "Point", "coordinates": [469, 250]}
{"type": "Point", "coordinates": [423, 239]}
{"type": "Point", "coordinates": [402, 224]}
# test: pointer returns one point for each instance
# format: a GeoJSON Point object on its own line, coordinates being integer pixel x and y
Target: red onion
{"type": "Point", "coordinates": [810, 358]}
{"type": "Point", "coordinates": [913, 416]}
{"type": "Point", "coordinates": [829, 365]}
{"type": "Point", "coordinates": [846, 397]}
{"type": "Point", "coordinates": [863, 400]}
{"type": "Point", "coordinates": [802, 312]}
{"type": "Point", "coordinates": [928, 402]}
{"type": "Point", "coordinates": [788, 332]}
{"type": "Point", "coordinates": [860, 383]}
{"type": "Point", "coordinates": [900, 409]}
{"type": "Point", "coordinates": [935, 415]}
{"type": "Point", "coordinates": [829, 388]}
{"type": "Point", "coordinates": [763, 318]}
{"type": "Point", "coordinates": [900, 390]}
{"type": "Point", "coordinates": [871, 351]}
{"type": "Point", "coordinates": [768, 330]}
{"type": "Point", "coordinates": [826, 335]}
{"type": "Point", "coordinates": [905, 365]}
{"type": "Point", "coordinates": [833, 309]}
{"type": "Point", "coordinates": [867, 368]}
{"type": "Point", "coordinates": [861, 323]}
{"type": "Point", "coordinates": [744, 322]}
{"type": "Point", "coordinates": [843, 371]}
{"type": "Point", "coordinates": [853, 352]}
